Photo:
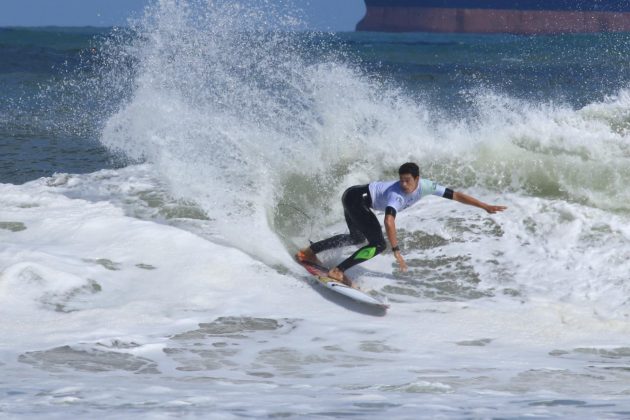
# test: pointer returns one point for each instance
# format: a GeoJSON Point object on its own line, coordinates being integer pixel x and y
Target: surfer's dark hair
{"type": "Point", "coordinates": [409, 168]}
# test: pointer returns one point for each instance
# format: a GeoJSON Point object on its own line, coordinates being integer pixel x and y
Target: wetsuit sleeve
{"type": "Point", "coordinates": [390, 210]}
{"type": "Point", "coordinates": [394, 203]}
{"type": "Point", "coordinates": [433, 188]}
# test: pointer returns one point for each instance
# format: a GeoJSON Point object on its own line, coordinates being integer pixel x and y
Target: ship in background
{"type": "Point", "coordinates": [497, 16]}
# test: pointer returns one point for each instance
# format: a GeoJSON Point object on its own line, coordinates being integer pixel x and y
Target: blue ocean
{"type": "Point", "coordinates": [156, 180]}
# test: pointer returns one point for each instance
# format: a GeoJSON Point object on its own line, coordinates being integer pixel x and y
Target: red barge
{"type": "Point", "coordinates": [527, 17]}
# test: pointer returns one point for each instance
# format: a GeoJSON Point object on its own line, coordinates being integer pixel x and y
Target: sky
{"type": "Point", "coordinates": [323, 15]}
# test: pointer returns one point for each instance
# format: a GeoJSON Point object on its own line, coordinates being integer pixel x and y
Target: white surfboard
{"type": "Point", "coordinates": [321, 273]}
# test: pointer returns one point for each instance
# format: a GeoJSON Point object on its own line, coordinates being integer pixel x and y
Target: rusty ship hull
{"type": "Point", "coordinates": [528, 17]}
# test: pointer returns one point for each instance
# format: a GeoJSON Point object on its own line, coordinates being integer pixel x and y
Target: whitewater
{"type": "Point", "coordinates": [165, 286]}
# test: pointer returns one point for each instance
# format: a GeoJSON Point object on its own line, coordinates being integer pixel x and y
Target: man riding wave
{"type": "Point", "coordinates": [391, 197]}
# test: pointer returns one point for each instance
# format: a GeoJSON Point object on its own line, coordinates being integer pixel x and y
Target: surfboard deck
{"type": "Point", "coordinates": [321, 274]}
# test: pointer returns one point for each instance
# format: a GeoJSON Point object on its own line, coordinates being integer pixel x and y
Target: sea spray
{"type": "Point", "coordinates": [264, 134]}
{"type": "Point", "coordinates": [230, 112]}
{"type": "Point", "coordinates": [545, 149]}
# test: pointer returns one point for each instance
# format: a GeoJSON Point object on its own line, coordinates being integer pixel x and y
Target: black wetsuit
{"type": "Point", "coordinates": [363, 225]}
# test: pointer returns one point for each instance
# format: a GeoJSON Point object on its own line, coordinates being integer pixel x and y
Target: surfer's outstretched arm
{"type": "Point", "coordinates": [472, 201]}
{"type": "Point", "coordinates": [390, 229]}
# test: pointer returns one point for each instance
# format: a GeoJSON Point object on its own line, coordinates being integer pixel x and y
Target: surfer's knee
{"type": "Point", "coordinates": [356, 237]}
{"type": "Point", "coordinates": [379, 246]}
{"type": "Point", "coordinates": [369, 251]}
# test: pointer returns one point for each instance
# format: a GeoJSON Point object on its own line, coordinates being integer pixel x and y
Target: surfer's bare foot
{"type": "Point", "coordinates": [307, 254]}
{"type": "Point", "coordinates": [337, 274]}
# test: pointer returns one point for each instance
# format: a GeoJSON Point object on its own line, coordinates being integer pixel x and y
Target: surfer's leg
{"type": "Point", "coordinates": [352, 199]}
{"type": "Point", "coordinates": [362, 254]}
{"type": "Point", "coordinates": [355, 208]}
{"type": "Point", "coordinates": [337, 241]}
{"type": "Point", "coordinates": [364, 220]}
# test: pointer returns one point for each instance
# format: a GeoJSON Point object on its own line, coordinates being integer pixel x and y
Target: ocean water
{"type": "Point", "coordinates": [156, 180]}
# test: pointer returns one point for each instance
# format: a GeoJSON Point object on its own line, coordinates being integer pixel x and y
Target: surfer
{"type": "Point", "coordinates": [391, 197]}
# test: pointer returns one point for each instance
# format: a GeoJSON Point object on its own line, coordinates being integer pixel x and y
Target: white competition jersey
{"type": "Point", "coordinates": [389, 194]}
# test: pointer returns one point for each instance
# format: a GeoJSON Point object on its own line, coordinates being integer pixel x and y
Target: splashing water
{"type": "Point", "coordinates": [259, 126]}
{"type": "Point", "coordinates": [264, 127]}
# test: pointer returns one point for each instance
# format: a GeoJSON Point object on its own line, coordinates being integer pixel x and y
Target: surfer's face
{"type": "Point", "coordinates": [408, 183]}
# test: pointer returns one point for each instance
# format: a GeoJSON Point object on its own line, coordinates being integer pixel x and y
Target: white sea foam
{"type": "Point", "coordinates": [533, 312]}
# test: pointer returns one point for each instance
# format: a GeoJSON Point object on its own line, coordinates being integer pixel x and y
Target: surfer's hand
{"type": "Point", "coordinates": [401, 261]}
{"type": "Point", "coordinates": [494, 209]}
